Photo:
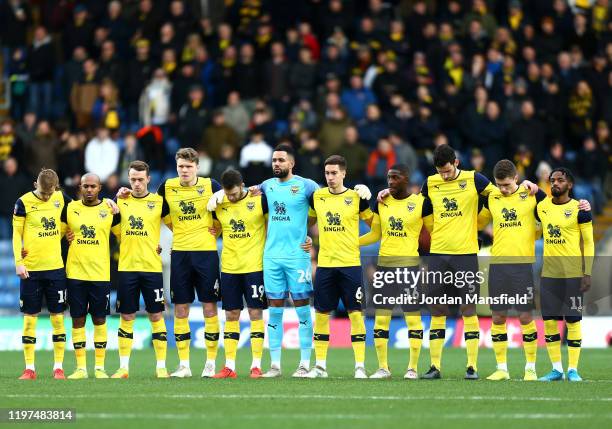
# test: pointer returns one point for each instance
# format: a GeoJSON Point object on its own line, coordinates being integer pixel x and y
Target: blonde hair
{"type": "Point", "coordinates": [47, 180]}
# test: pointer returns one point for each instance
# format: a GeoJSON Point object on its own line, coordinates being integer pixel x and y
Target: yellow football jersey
{"type": "Point", "coordinates": [338, 218]}
{"type": "Point", "coordinates": [455, 211]}
{"type": "Point", "coordinates": [139, 233]}
{"type": "Point", "coordinates": [37, 228]}
{"type": "Point", "coordinates": [562, 227]}
{"type": "Point", "coordinates": [514, 225]}
{"type": "Point", "coordinates": [188, 214]}
{"type": "Point", "coordinates": [244, 234]}
{"type": "Point", "coordinates": [401, 221]}
{"type": "Point", "coordinates": [89, 252]}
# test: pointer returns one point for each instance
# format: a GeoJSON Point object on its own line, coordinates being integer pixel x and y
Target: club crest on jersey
{"type": "Point", "coordinates": [348, 201]}
{"type": "Point", "coordinates": [411, 206]}
{"type": "Point", "coordinates": [462, 185]}
{"type": "Point", "coordinates": [56, 204]}
{"type": "Point", "coordinates": [295, 189]}
{"type": "Point", "coordinates": [523, 196]}
{"type": "Point", "coordinates": [567, 213]}
{"type": "Point", "coordinates": [150, 205]}
{"type": "Point", "coordinates": [250, 206]}
{"type": "Point", "coordinates": [103, 214]}
{"type": "Point", "coordinates": [200, 190]}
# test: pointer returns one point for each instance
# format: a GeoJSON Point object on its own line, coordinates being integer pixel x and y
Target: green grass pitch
{"type": "Point", "coordinates": [340, 401]}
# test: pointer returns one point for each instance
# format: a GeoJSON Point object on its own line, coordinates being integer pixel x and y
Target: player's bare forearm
{"type": "Point", "coordinates": [311, 221]}
{"type": "Point", "coordinates": [585, 283]}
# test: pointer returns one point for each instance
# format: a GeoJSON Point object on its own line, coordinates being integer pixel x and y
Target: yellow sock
{"type": "Point", "coordinates": [28, 339]}
{"type": "Point", "coordinates": [182, 336]}
{"type": "Point", "coordinates": [553, 340]}
{"type": "Point", "coordinates": [231, 336]}
{"type": "Point", "coordinates": [358, 336]}
{"type": "Point", "coordinates": [381, 336]}
{"type": "Point", "coordinates": [78, 342]}
{"type": "Point", "coordinates": [160, 341]}
{"type": "Point", "coordinates": [257, 341]}
{"type": "Point", "coordinates": [59, 338]}
{"type": "Point", "coordinates": [211, 336]}
{"type": "Point", "coordinates": [437, 333]}
{"type": "Point", "coordinates": [499, 336]}
{"type": "Point", "coordinates": [100, 338]}
{"type": "Point", "coordinates": [471, 334]}
{"type": "Point", "coordinates": [415, 337]}
{"type": "Point", "coordinates": [530, 341]}
{"type": "Point", "coordinates": [574, 342]}
{"type": "Point", "coordinates": [321, 337]}
{"type": "Point", "coordinates": [125, 336]}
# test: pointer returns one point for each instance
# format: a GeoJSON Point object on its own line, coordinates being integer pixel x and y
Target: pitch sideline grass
{"type": "Point", "coordinates": [340, 401]}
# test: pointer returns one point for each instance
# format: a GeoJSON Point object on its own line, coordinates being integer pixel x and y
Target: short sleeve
{"type": "Point", "coordinates": [584, 217]}
{"type": "Point", "coordinates": [424, 189]}
{"type": "Point", "coordinates": [311, 201]}
{"type": "Point", "coordinates": [363, 205]}
{"type": "Point", "coordinates": [310, 187]}
{"type": "Point", "coordinates": [67, 199]}
{"type": "Point", "coordinates": [483, 185]}
{"type": "Point", "coordinates": [540, 195]}
{"type": "Point", "coordinates": [19, 208]}
{"type": "Point", "coordinates": [116, 219]}
{"type": "Point", "coordinates": [161, 191]}
{"type": "Point", "coordinates": [165, 209]}
{"type": "Point", "coordinates": [216, 186]}
{"type": "Point", "coordinates": [426, 208]}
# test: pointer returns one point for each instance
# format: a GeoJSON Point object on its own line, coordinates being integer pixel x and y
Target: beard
{"type": "Point", "coordinates": [281, 174]}
{"type": "Point", "coordinates": [556, 192]}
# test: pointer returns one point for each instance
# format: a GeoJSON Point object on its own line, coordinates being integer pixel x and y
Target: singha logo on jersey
{"type": "Point", "coordinates": [237, 225]}
{"type": "Point", "coordinates": [189, 210]}
{"type": "Point", "coordinates": [554, 232]}
{"type": "Point", "coordinates": [279, 208]}
{"type": "Point", "coordinates": [509, 215]}
{"type": "Point", "coordinates": [89, 235]}
{"type": "Point", "coordinates": [238, 229]}
{"type": "Point", "coordinates": [48, 223]}
{"type": "Point", "coordinates": [136, 222]}
{"type": "Point", "coordinates": [451, 207]}
{"type": "Point", "coordinates": [333, 222]}
{"type": "Point", "coordinates": [396, 224]}
{"type": "Point", "coordinates": [450, 204]}
{"type": "Point", "coordinates": [397, 227]}
{"type": "Point", "coordinates": [509, 218]}
{"type": "Point", "coordinates": [50, 227]}
{"type": "Point", "coordinates": [137, 226]}
{"type": "Point", "coordinates": [280, 212]}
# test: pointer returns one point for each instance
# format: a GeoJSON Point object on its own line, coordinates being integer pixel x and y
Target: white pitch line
{"type": "Point", "coordinates": [269, 416]}
{"type": "Point", "coordinates": [314, 397]}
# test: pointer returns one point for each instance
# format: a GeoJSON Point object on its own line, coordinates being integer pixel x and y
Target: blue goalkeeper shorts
{"type": "Point", "coordinates": [287, 276]}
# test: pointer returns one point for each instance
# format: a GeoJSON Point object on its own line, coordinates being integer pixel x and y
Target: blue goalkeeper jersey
{"type": "Point", "coordinates": [287, 216]}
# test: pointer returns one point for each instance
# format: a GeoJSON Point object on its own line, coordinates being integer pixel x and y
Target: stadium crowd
{"type": "Point", "coordinates": [97, 84]}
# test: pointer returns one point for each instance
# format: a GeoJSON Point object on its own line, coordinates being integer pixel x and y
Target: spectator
{"type": "Point", "coordinates": [556, 156]}
{"type": "Point", "coordinates": [256, 159]}
{"type": "Point", "coordinates": [227, 160]}
{"type": "Point", "coordinates": [70, 163]}
{"type": "Point", "coordinates": [372, 128]}
{"type": "Point", "coordinates": [19, 80]}
{"type": "Point", "coordinates": [107, 111]}
{"type": "Point", "coordinates": [591, 165]}
{"type": "Point", "coordinates": [155, 101]}
{"type": "Point", "coordinates": [309, 160]}
{"type": "Point", "coordinates": [42, 151]}
{"type": "Point", "coordinates": [192, 118]}
{"type": "Point", "coordinates": [217, 134]}
{"type": "Point", "coordinates": [356, 156]}
{"type": "Point", "coordinates": [276, 80]}
{"type": "Point", "coordinates": [84, 94]}
{"type": "Point", "coordinates": [236, 114]}
{"type": "Point", "coordinates": [140, 70]}
{"type": "Point", "coordinates": [79, 31]}
{"type": "Point", "coordinates": [581, 110]}
{"type": "Point", "coordinates": [528, 131]}
{"type": "Point", "coordinates": [331, 133]}
{"type": "Point", "coordinates": [102, 155]}
{"type": "Point", "coordinates": [247, 75]}
{"type": "Point", "coordinates": [13, 184]}
{"type": "Point", "coordinates": [303, 75]}
{"type": "Point", "coordinates": [131, 151]}
{"type": "Point", "coordinates": [17, 16]}
{"type": "Point", "coordinates": [379, 162]}
{"type": "Point", "coordinates": [11, 145]}
{"type": "Point", "coordinates": [356, 99]}
{"type": "Point", "coordinates": [41, 67]}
